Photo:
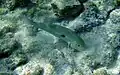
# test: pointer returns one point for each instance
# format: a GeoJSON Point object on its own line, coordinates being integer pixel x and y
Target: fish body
{"type": "Point", "coordinates": [63, 33]}
{"type": "Point", "coordinates": [67, 35]}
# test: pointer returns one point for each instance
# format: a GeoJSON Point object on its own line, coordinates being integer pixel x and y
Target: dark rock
{"type": "Point", "coordinates": [82, 1]}
{"type": "Point", "coordinates": [118, 2]}
{"type": "Point", "coordinates": [22, 2]}
{"type": "Point", "coordinates": [68, 11]}
{"type": "Point", "coordinates": [12, 4]}
{"type": "Point", "coordinates": [38, 71]}
{"type": "Point", "coordinates": [7, 3]}
{"type": "Point", "coordinates": [7, 29]}
{"type": "Point", "coordinates": [91, 17]}
{"type": "Point", "coordinates": [8, 46]}
{"type": "Point", "coordinates": [16, 60]}
{"type": "Point", "coordinates": [105, 5]}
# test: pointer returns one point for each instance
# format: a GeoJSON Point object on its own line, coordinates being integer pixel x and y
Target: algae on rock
{"type": "Point", "coordinates": [100, 71]}
{"type": "Point", "coordinates": [12, 4]}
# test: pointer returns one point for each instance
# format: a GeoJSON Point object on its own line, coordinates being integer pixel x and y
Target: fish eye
{"type": "Point", "coordinates": [78, 45]}
{"type": "Point", "coordinates": [63, 35]}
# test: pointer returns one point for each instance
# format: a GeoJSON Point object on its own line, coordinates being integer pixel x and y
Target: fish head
{"type": "Point", "coordinates": [77, 46]}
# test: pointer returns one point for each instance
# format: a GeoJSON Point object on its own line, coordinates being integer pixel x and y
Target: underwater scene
{"type": "Point", "coordinates": [59, 37]}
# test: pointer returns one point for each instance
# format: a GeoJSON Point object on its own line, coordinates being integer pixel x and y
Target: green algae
{"type": "Point", "coordinates": [3, 11]}
{"type": "Point", "coordinates": [118, 2]}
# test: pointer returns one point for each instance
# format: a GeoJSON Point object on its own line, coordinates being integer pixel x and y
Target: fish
{"type": "Point", "coordinates": [63, 33]}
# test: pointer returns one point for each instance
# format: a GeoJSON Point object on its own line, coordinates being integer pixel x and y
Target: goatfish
{"type": "Point", "coordinates": [63, 33]}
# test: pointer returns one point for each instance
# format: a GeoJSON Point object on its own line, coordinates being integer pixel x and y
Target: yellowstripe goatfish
{"type": "Point", "coordinates": [63, 33]}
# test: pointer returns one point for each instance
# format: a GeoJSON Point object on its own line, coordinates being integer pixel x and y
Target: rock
{"type": "Point", "coordinates": [7, 4]}
{"type": "Point", "coordinates": [42, 11]}
{"type": "Point", "coordinates": [104, 5]}
{"type": "Point", "coordinates": [35, 68]}
{"type": "Point", "coordinates": [113, 28]}
{"type": "Point", "coordinates": [115, 16]}
{"type": "Point", "coordinates": [48, 69]}
{"type": "Point", "coordinates": [67, 11]}
{"type": "Point", "coordinates": [86, 21]}
{"type": "Point", "coordinates": [20, 43]}
{"type": "Point", "coordinates": [61, 4]}
{"type": "Point", "coordinates": [38, 71]}
{"type": "Point", "coordinates": [8, 59]}
{"type": "Point", "coordinates": [7, 42]}
{"type": "Point", "coordinates": [118, 2]}
{"type": "Point", "coordinates": [13, 61]}
{"type": "Point", "coordinates": [8, 28]}
{"type": "Point", "coordinates": [12, 4]}
{"type": "Point", "coordinates": [100, 71]}
{"type": "Point", "coordinates": [77, 73]}
{"type": "Point", "coordinates": [3, 11]}
{"type": "Point", "coordinates": [82, 1]}
{"type": "Point", "coordinates": [17, 59]}
{"type": "Point", "coordinates": [6, 73]}
{"type": "Point", "coordinates": [8, 46]}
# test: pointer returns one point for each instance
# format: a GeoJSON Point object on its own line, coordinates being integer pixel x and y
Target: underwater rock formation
{"type": "Point", "coordinates": [28, 49]}
{"type": "Point", "coordinates": [118, 2]}
{"type": "Point", "coordinates": [68, 11]}
{"type": "Point", "coordinates": [82, 1]}
{"type": "Point", "coordinates": [12, 4]}
{"type": "Point", "coordinates": [100, 71]}
{"type": "Point", "coordinates": [86, 21]}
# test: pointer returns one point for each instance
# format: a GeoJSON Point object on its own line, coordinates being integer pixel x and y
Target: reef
{"type": "Point", "coordinates": [40, 37]}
